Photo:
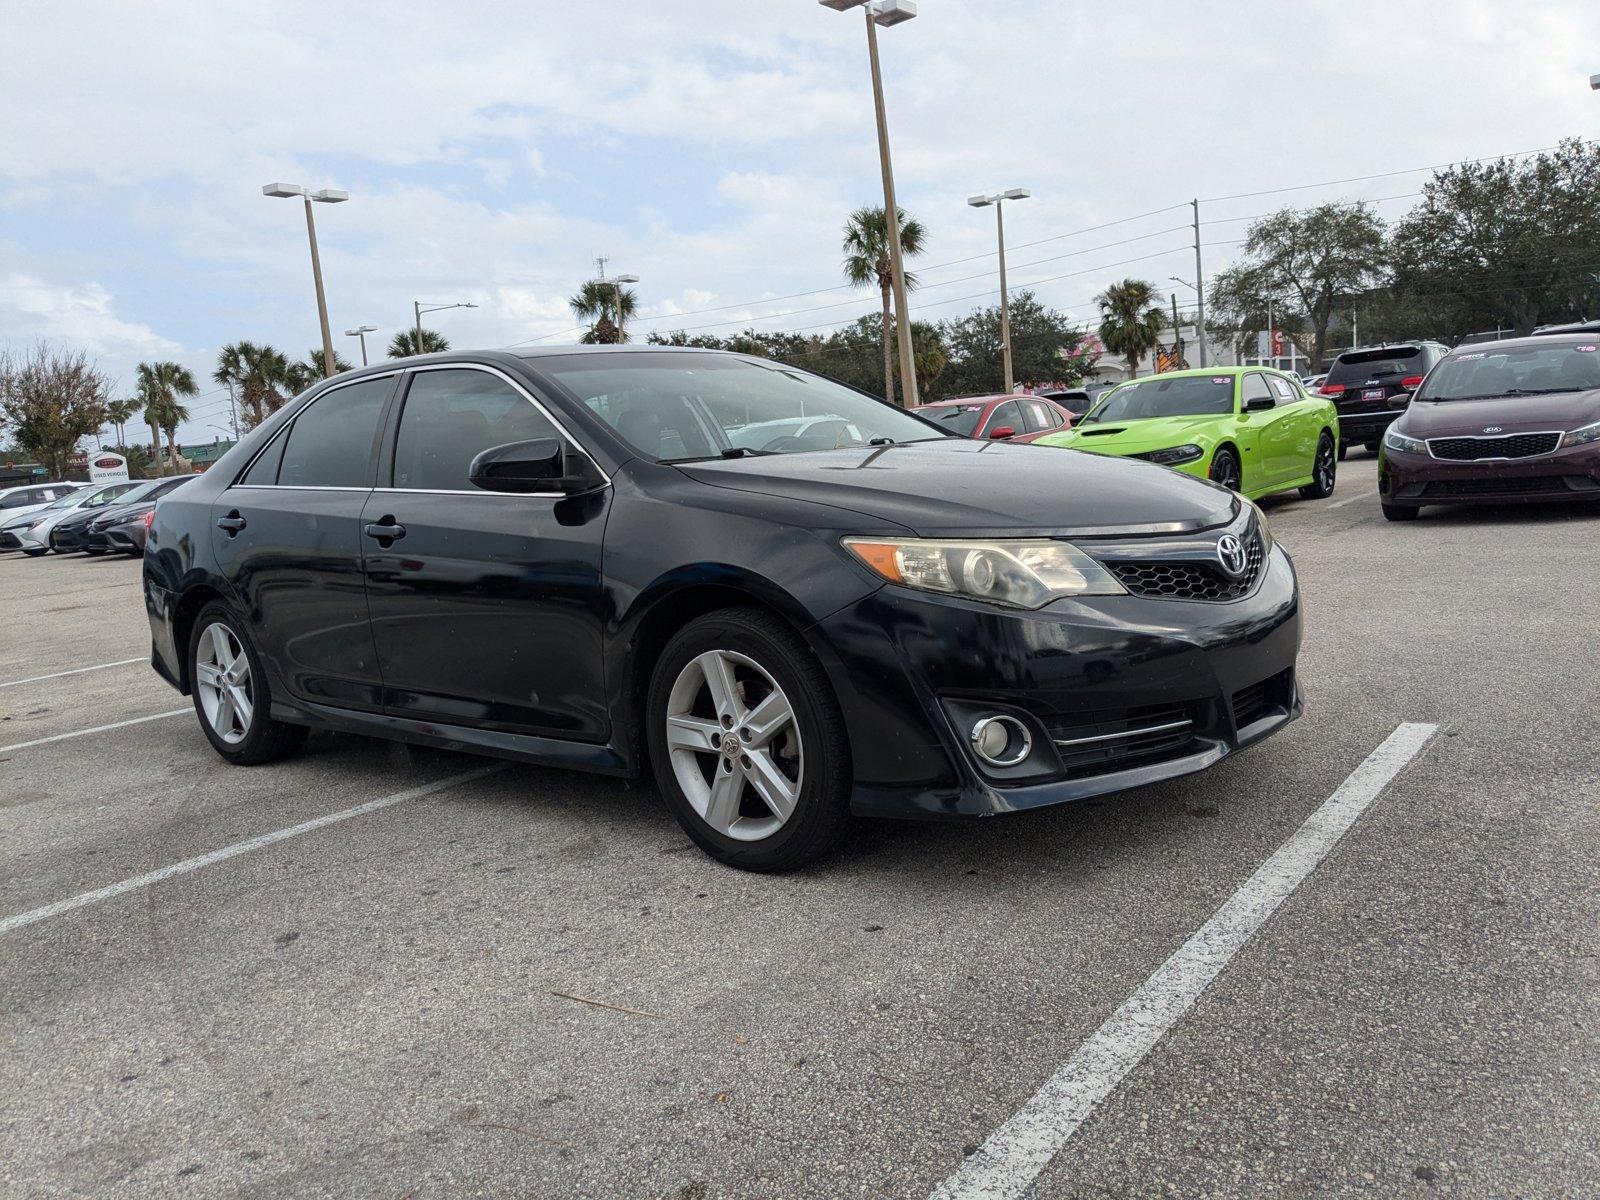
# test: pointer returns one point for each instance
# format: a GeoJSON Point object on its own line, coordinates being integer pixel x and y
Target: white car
{"type": "Point", "coordinates": [32, 531]}
{"type": "Point", "coordinates": [796, 433]}
{"type": "Point", "coordinates": [25, 500]}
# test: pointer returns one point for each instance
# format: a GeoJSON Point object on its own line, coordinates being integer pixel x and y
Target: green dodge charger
{"type": "Point", "coordinates": [1252, 429]}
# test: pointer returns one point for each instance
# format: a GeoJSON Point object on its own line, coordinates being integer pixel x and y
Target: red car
{"type": "Point", "coordinates": [1004, 418]}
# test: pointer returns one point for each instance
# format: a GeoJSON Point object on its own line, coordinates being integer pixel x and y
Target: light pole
{"type": "Point", "coordinates": [361, 331]}
{"type": "Point", "coordinates": [887, 13]}
{"type": "Point", "coordinates": [325, 196]}
{"type": "Point", "coordinates": [418, 308]}
{"type": "Point", "coordinates": [1177, 337]}
{"type": "Point", "coordinates": [998, 200]}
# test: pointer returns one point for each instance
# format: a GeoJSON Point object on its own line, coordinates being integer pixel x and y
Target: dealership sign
{"type": "Point", "coordinates": [106, 467]}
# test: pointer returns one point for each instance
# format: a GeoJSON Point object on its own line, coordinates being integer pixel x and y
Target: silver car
{"type": "Point", "coordinates": [32, 531]}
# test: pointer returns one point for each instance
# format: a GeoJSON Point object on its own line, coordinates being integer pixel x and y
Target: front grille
{"type": "Point", "coordinates": [1519, 486]}
{"type": "Point", "coordinates": [1177, 579]}
{"type": "Point", "coordinates": [1120, 739]}
{"type": "Point", "coordinates": [1264, 699]}
{"type": "Point", "coordinates": [1515, 445]}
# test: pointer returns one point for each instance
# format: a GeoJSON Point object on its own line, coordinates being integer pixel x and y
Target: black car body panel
{"type": "Point", "coordinates": [525, 626]}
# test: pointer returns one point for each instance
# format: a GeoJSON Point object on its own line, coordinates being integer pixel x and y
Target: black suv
{"type": "Point", "coordinates": [1361, 382]}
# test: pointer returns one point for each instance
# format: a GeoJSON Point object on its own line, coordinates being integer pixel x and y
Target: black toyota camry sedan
{"type": "Point", "coordinates": [788, 600]}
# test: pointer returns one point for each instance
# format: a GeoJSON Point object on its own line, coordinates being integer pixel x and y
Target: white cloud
{"type": "Point", "coordinates": [82, 315]}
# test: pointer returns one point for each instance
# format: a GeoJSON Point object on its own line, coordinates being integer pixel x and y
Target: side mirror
{"type": "Point", "coordinates": [536, 466]}
{"type": "Point", "coordinates": [1400, 400]}
{"type": "Point", "coordinates": [1260, 404]}
{"type": "Point", "coordinates": [1005, 431]}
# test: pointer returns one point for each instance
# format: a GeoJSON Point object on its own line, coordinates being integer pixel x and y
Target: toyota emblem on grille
{"type": "Point", "coordinates": [1230, 553]}
{"type": "Point", "coordinates": [1493, 428]}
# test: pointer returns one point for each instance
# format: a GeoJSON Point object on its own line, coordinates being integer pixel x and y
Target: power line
{"type": "Point", "coordinates": [1304, 187]}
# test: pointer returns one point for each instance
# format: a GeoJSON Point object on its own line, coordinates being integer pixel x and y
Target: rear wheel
{"type": "Point", "coordinates": [747, 742]}
{"type": "Point", "coordinates": [1225, 468]}
{"type": "Point", "coordinates": [1323, 471]}
{"type": "Point", "coordinates": [1401, 512]}
{"type": "Point", "coordinates": [231, 696]}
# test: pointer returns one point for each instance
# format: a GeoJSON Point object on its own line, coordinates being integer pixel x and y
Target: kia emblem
{"type": "Point", "coordinates": [1493, 428]}
{"type": "Point", "coordinates": [1230, 553]}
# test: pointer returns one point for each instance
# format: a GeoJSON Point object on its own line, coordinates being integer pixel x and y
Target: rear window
{"type": "Point", "coordinates": [1375, 364]}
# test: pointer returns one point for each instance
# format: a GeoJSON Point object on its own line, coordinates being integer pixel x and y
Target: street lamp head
{"type": "Point", "coordinates": [331, 196]}
{"type": "Point", "coordinates": [841, 5]}
{"type": "Point", "coordinates": [1016, 193]}
{"type": "Point", "coordinates": [1594, 82]}
{"type": "Point", "coordinates": [980, 201]}
{"type": "Point", "coordinates": [360, 329]}
{"type": "Point", "coordinates": [624, 279]}
{"type": "Point", "coordinates": [893, 12]}
{"type": "Point", "coordinates": [283, 190]}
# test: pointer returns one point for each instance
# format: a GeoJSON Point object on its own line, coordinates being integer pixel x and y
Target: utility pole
{"type": "Point", "coordinates": [1199, 287]}
{"type": "Point", "coordinates": [1177, 335]}
{"type": "Point", "coordinates": [891, 219]}
{"type": "Point", "coordinates": [233, 411]}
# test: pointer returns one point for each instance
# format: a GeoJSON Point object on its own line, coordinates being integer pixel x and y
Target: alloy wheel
{"type": "Point", "coordinates": [735, 745]}
{"type": "Point", "coordinates": [222, 678]}
{"type": "Point", "coordinates": [1225, 470]}
{"type": "Point", "coordinates": [1325, 468]}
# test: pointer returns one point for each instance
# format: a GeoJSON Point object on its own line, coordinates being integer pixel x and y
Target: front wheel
{"type": "Point", "coordinates": [32, 553]}
{"type": "Point", "coordinates": [747, 741]}
{"type": "Point", "coordinates": [231, 696]}
{"type": "Point", "coordinates": [1225, 468]}
{"type": "Point", "coordinates": [1323, 471]}
{"type": "Point", "coordinates": [1401, 512]}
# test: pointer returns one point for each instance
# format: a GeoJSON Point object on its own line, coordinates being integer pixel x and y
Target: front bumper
{"type": "Point", "coordinates": [65, 541]}
{"type": "Point", "coordinates": [1116, 691]}
{"type": "Point", "coordinates": [8, 540]}
{"type": "Point", "coordinates": [1418, 479]}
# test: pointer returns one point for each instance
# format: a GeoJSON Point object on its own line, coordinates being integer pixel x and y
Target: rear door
{"type": "Point", "coordinates": [1301, 426]}
{"type": "Point", "coordinates": [288, 534]}
{"type": "Point", "coordinates": [486, 605]}
{"type": "Point", "coordinates": [1041, 418]}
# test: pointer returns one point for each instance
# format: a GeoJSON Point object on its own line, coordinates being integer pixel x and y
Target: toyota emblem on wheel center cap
{"type": "Point", "coordinates": [1230, 553]}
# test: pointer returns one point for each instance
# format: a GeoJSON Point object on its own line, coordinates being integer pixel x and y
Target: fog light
{"type": "Point", "coordinates": [1001, 741]}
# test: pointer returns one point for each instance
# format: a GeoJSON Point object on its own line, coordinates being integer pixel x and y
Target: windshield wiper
{"type": "Point", "coordinates": [880, 441]}
{"type": "Point", "coordinates": [745, 452]}
{"type": "Point", "coordinates": [1508, 392]}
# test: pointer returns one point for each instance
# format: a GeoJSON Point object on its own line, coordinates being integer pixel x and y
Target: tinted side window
{"type": "Point", "coordinates": [450, 417]}
{"type": "Point", "coordinates": [1008, 415]}
{"type": "Point", "coordinates": [1040, 416]}
{"type": "Point", "coordinates": [1283, 391]}
{"type": "Point", "coordinates": [265, 468]}
{"type": "Point", "coordinates": [330, 444]}
{"type": "Point", "coordinates": [1255, 387]}
{"type": "Point", "coordinates": [17, 500]}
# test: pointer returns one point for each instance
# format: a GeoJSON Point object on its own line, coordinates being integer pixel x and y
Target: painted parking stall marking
{"type": "Point", "coordinates": [123, 662]}
{"type": "Point", "coordinates": [78, 733]}
{"type": "Point", "coordinates": [1007, 1164]}
{"type": "Point", "coordinates": [84, 899]}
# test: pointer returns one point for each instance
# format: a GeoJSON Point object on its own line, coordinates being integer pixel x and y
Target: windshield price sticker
{"type": "Point", "coordinates": [1220, 379]}
{"type": "Point", "coordinates": [1584, 349]}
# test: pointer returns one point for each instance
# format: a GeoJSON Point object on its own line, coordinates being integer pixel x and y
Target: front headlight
{"type": "Point", "coordinates": [1019, 573]}
{"type": "Point", "coordinates": [1584, 435]}
{"type": "Point", "coordinates": [1261, 524]}
{"type": "Point", "coordinates": [1175, 456]}
{"type": "Point", "coordinates": [1396, 440]}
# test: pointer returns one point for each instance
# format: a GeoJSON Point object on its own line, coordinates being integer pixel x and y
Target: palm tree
{"type": "Point", "coordinates": [404, 344]}
{"type": "Point", "coordinates": [1131, 320]}
{"type": "Point", "coordinates": [314, 361]}
{"type": "Point", "coordinates": [262, 377]}
{"type": "Point", "coordinates": [866, 261]}
{"type": "Point", "coordinates": [607, 307]}
{"type": "Point", "coordinates": [160, 385]}
{"type": "Point", "coordinates": [118, 414]}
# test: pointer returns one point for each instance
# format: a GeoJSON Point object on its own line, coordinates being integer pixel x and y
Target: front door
{"type": "Point", "coordinates": [485, 605]}
{"type": "Point", "coordinates": [289, 535]}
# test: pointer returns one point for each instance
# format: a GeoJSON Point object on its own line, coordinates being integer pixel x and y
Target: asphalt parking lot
{"type": "Point", "coordinates": [401, 1002]}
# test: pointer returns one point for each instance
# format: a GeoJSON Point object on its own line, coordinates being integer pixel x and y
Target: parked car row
{"type": "Point", "coordinates": [112, 517]}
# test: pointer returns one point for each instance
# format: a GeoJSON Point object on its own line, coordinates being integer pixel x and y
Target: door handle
{"type": "Point", "coordinates": [386, 530]}
{"type": "Point", "coordinates": [233, 522]}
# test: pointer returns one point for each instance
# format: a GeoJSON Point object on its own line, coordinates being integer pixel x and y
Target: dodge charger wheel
{"type": "Point", "coordinates": [1225, 468]}
{"type": "Point", "coordinates": [230, 693]}
{"type": "Point", "coordinates": [747, 742]}
{"type": "Point", "coordinates": [1322, 471]}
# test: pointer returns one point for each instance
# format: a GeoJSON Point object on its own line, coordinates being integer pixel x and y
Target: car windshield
{"type": "Point", "coordinates": [68, 501]}
{"type": "Point", "coordinates": [677, 407]}
{"type": "Point", "coordinates": [1515, 371]}
{"type": "Point", "coordinates": [957, 418]}
{"type": "Point", "coordinates": [1146, 399]}
{"type": "Point", "coordinates": [139, 491]}
{"type": "Point", "coordinates": [107, 494]}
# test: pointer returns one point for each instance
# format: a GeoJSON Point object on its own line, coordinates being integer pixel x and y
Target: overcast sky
{"type": "Point", "coordinates": [712, 147]}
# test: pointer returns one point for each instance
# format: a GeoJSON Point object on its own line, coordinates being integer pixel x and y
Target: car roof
{"type": "Point", "coordinates": [1530, 341]}
{"type": "Point", "coordinates": [949, 400]}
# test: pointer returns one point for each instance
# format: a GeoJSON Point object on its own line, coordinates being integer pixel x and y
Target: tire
{"type": "Point", "coordinates": [1401, 512]}
{"type": "Point", "coordinates": [804, 758]}
{"type": "Point", "coordinates": [93, 553]}
{"type": "Point", "coordinates": [1324, 472]}
{"type": "Point", "coordinates": [32, 553]}
{"type": "Point", "coordinates": [1372, 447]}
{"type": "Point", "coordinates": [244, 743]}
{"type": "Point", "coordinates": [1225, 468]}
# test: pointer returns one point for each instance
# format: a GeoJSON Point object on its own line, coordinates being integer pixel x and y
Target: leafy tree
{"type": "Point", "coordinates": [160, 386]}
{"type": "Point", "coordinates": [1506, 241]}
{"type": "Point", "coordinates": [1310, 260]}
{"type": "Point", "coordinates": [51, 399]}
{"type": "Point", "coordinates": [261, 376]}
{"type": "Point", "coordinates": [118, 414]}
{"type": "Point", "coordinates": [1045, 348]}
{"type": "Point", "coordinates": [606, 307]}
{"type": "Point", "coordinates": [1131, 320]}
{"type": "Point", "coordinates": [404, 344]}
{"type": "Point", "coordinates": [866, 261]}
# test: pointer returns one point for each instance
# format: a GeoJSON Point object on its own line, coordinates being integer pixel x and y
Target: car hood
{"type": "Point", "coordinates": [1512, 414]}
{"type": "Point", "coordinates": [1135, 437]}
{"type": "Point", "coordinates": [116, 514]}
{"type": "Point", "coordinates": [955, 486]}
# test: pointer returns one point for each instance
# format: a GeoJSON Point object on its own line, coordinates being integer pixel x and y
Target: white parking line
{"type": "Point", "coordinates": [75, 671]}
{"type": "Point", "coordinates": [78, 733]}
{"type": "Point", "coordinates": [1354, 499]}
{"type": "Point", "coordinates": [256, 843]}
{"type": "Point", "coordinates": [1007, 1164]}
